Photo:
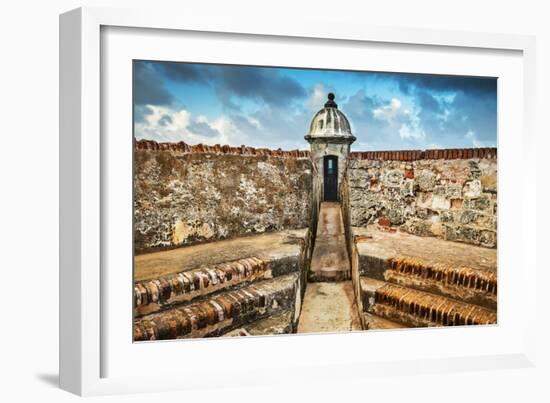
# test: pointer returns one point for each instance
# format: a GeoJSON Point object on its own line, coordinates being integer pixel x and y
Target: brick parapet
{"type": "Point", "coordinates": [415, 155]}
{"type": "Point", "coordinates": [185, 148]}
{"type": "Point", "coordinates": [398, 155]}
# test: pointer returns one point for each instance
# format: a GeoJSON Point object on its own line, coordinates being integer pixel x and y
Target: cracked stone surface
{"type": "Point", "coordinates": [329, 307]}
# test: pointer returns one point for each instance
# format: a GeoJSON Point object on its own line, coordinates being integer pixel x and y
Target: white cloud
{"type": "Point", "coordinates": [411, 128]}
{"type": "Point", "coordinates": [363, 146]}
{"type": "Point", "coordinates": [317, 98]}
{"type": "Point", "coordinates": [255, 122]}
{"type": "Point", "coordinates": [266, 127]}
{"type": "Point", "coordinates": [166, 124]}
{"type": "Point", "coordinates": [163, 124]}
{"type": "Point", "coordinates": [389, 112]}
{"type": "Point", "coordinates": [229, 133]}
{"type": "Point", "coordinates": [471, 135]}
{"type": "Point", "coordinates": [201, 119]}
{"type": "Point", "coordinates": [412, 131]}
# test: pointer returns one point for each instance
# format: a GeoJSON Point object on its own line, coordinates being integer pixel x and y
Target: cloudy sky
{"type": "Point", "coordinates": [272, 107]}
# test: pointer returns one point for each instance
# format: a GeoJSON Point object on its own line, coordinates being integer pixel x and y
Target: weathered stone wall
{"type": "Point", "coordinates": [184, 196]}
{"type": "Point", "coordinates": [449, 194]}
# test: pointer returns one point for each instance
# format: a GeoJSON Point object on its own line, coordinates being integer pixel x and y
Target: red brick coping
{"type": "Point", "coordinates": [218, 149]}
{"type": "Point", "coordinates": [402, 155]}
{"type": "Point", "coordinates": [414, 155]}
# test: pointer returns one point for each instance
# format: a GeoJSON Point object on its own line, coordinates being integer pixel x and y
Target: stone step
{"type": "Point", "coordinates": [167, 278]}
{"type": "Point", "coordinates": [268, 246]}
{"type": "Point", "coordinates": [463, 272]}
{"type": "Point", "coordinates": [374, 322]}
{"type": "Point", "coordinates": [463, 283]}
{"type": "Point", "coordinates": [330, 267]}
{"type": "Point", "coordinates": [415, 308]}
{"type": "Point", "coordinates": [221, 312]}
{"type": "Point", "coordinates": [163, 292]}
{"type": "Point", "coordinates": [281, 323]}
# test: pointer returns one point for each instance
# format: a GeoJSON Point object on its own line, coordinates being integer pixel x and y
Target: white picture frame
{"type": "Point", "coordinates": [83, 295]}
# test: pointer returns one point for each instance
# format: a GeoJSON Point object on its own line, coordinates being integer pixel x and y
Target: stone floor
{"type": "Point", "coordinates": [152, 265]}
{"type": "Point", "coordinates": [328, 304]}
{"type": "Point", "coordinates": [330, 261]}
{"type": "Point", "coordinates": [372, 241]}
{"type": "Point", "coordinates": [329, 307]}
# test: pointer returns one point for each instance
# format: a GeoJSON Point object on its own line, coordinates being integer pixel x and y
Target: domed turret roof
{"type": "Point", "coordinates": [329, 122]}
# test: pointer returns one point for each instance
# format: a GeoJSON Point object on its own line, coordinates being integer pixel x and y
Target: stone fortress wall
{"type": "Point", "coordinates": [225, 283]}
{"type": "Point", "coordinates": [189, 194]}
{"type": "Point", "coordinates": [449, 194]}
{"type": "Point", "coordinates": [367, 257]}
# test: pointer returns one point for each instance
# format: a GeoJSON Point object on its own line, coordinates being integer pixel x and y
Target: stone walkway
{"type": "Point", "coordinates": [328, 304]}
{"type": "Point", "coordinates": [330, 260]}
{"type": "Point", "coordinates": [329, 307]}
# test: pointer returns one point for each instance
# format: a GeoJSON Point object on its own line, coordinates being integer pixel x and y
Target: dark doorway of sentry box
{"type": "Point", "coordinates": [330, 178]}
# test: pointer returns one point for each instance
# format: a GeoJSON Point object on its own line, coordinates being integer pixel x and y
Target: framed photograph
{"type": "Point", "coordinates": [247, 196]}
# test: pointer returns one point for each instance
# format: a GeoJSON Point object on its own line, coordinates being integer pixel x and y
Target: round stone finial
{"type": "Point", "coordinates": [330, 103]}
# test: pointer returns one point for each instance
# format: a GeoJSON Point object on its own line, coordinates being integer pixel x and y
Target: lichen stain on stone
{"type": "Point", "coordinates": [182, 231]}
{"type": "Point", "coordinates": [460, 192]}
{"type": "Point", "coordinates": [183, 199]}
{"type": "Point", "coordinates": [489, 182]}
{"type": "Point", "coordinates": [440, 203]}
{"type": "Point", "coordinates": [472, 189]}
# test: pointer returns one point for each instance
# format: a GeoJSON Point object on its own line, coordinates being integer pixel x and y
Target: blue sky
{"type": "Point", "coordinates": [272, 107]}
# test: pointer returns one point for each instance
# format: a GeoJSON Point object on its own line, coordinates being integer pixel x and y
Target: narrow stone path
{"type": "Point", "coordinates": [328, 304]}
{"type": "Point", "coordinates": [330, 261]}
{"type": "Point", "coordinates": [329, 307]}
